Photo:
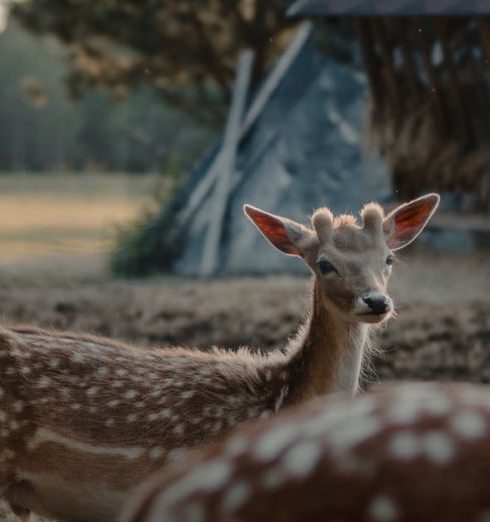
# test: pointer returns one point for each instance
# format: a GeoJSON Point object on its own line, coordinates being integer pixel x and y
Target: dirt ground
{"type": "Point", "coordinates": [442, 331]}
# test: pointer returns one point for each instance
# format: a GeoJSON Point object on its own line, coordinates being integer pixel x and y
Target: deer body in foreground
{"type": "Point", "coordinates": [83, 420]}
{"type": "Point", "coordinates": [405, 453]}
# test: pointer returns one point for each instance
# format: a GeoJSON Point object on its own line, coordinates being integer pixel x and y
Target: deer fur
{"type": "Point", "coordinates": [83, 419]}
{"type": "Point", "coordinates": [415, 452]}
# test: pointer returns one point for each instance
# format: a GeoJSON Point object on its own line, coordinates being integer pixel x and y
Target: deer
{"type": "Point", "coordinates": [411, 452]}
{"type": "Point", "coordinates": [85, 419]}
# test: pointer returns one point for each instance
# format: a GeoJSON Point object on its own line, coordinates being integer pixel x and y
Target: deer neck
{"type": "Point", "coordinates": [327, 354]}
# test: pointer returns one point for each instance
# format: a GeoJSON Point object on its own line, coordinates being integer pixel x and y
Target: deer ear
{"type": "Point", "coordinates": [406, 222]}
{"type": "Point", "coordinates": [286, 235]}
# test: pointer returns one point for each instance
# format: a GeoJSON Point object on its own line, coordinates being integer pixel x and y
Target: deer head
{"type": "Point", "coordinates": [351, 262]}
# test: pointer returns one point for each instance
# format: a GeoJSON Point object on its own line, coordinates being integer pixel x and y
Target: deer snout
{"type": "Point", "coordinates": [377, 304]}
{"type": "Point", "coordinates": [374, 303]}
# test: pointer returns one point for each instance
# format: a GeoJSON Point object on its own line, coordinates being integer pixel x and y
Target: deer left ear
{"type": "Point", "coordinates": [286, 235]}
{"type": "Point", "coordinates": [406, 222]}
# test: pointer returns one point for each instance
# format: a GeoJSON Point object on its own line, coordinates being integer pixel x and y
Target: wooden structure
{"type": "Point", "coordinates": [429, 80]}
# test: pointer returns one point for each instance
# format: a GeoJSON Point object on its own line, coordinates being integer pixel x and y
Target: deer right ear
{"type": "Point", "coordinates": [406, 222]}
{"type": "Point", "coordinates": [289, 237]}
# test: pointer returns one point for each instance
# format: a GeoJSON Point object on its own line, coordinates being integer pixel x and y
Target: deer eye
{"type": "Point", "coordinates": [325, 267]}
{"type": "Point", "coordinates": [389, 259]}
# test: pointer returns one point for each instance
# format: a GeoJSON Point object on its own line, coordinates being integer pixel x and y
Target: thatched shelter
{"type": "Point", "coordinates": [429, 80]}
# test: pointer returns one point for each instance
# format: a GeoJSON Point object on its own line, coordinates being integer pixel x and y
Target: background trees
{"type": "Point", "coordinates": [184, 50]}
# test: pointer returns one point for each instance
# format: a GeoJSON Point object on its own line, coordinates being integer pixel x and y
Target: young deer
{"type": "Point", "coordinates": [408, 453]}
{"type": "Point", "coordinates": [83, 419]}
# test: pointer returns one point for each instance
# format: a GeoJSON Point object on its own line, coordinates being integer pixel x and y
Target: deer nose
{"type": "Point", "coordinates": [378, 304]}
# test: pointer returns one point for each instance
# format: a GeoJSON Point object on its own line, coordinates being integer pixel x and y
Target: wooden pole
{"type": "Point", "coordinates": [408, 59]}
{"type": "Point", "coordinates": [434, 84]}
{"type": "Point", "coordinates": [266, 90]}
{"type": "Point", "coordinates": [464, 130]}
{"type": "Point", "coordinates": [389, 72]}
{"type": "Point", "coordinates": [370, 62]}
{"type": "Point", "coordinates": [228, 153]}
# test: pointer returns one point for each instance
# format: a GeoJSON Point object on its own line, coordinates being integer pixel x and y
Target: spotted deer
{"type": "Point", "coordinates": [416, 452]}
{"type": "Point", "coordinates": [83, 419]}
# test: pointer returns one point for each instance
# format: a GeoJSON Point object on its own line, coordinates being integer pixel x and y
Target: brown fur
{"type": "Point", "coordinates": [413, 453]}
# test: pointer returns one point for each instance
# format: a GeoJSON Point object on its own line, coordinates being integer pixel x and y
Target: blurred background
{"type": "Point", "coordinates": [131, 133]}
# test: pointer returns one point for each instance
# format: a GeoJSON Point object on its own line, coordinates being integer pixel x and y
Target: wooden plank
{"type": "Point", "coordinates": [460, 221]}
{"type": "Point", "coordinates": [228, 153]}
{"type": "Point", "coordinates": [275, 76]}
{"type": "Point", "coordinates": [260, 100]}
{"type": "Point", "coordinates": [434, 84]}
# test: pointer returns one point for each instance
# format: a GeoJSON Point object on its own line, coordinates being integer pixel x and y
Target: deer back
{"type": "Point", "coordinates": [413, 452]}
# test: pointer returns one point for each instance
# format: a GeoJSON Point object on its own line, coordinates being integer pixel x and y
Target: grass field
{"type": "Point", "coordinates": [46, 215]}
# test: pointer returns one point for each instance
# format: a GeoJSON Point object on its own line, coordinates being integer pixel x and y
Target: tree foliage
{"type": "Point", "coordinates": [41, 129]}
{"type": "Point", "coordinates": [186, 50]}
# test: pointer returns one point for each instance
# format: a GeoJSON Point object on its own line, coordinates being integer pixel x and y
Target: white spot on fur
{"type": "Point", "coordinates": [346, 435]}
{"type": "Point", "coordinates": [92, 391]}
{"type": "Point", "coordinates": [156, 452]}
{"type": "Point", "coordinates": [383, 509]}
{"type": "Point", "coordinates": [113, 403]}
{"type": "Point", "coordinates": [121, 372]}
{"type": "Point", "coordinates": [273, 442]}
{"type": "Point", "coordinates": [109, 422]}
{"type": "Point", "coordinates": [405, 445]}
{"type": "Point", "coordinates": [301, 458]}
{"type": "Point", "coordinates": [176, 454]}
{"type": "Point", "coordinates": [236, 495]}
{"type": "Point", "coordinates": [25, 370]}
{"type": "Point", "coordinates": [130, 394]}
{"type": "Point", "coordinates": [53, 363]}
{"type": "Point", "coordinates": [117, 384]}
{"type": "Point", "coordinates": [469, 424]}
{"type": "Point", "coordinates": [166, 413]}
{"type": "Point", "coordinates": [132, 417]}
{"type": "Point", "coordinates": [438, 446]}
{"type": "Point", "coordinates": [77, 357]}
{"type": "Point", "coordinates": [44, 382]}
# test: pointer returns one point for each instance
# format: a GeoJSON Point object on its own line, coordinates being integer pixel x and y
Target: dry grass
{"type": "Point", "coordinates": [67, 213]}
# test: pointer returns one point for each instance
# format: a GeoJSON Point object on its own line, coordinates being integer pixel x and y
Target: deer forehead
{"type": "Point", "coordinates": [352, 247]}
{"type": "Point", "coordinates": [349, 238]}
